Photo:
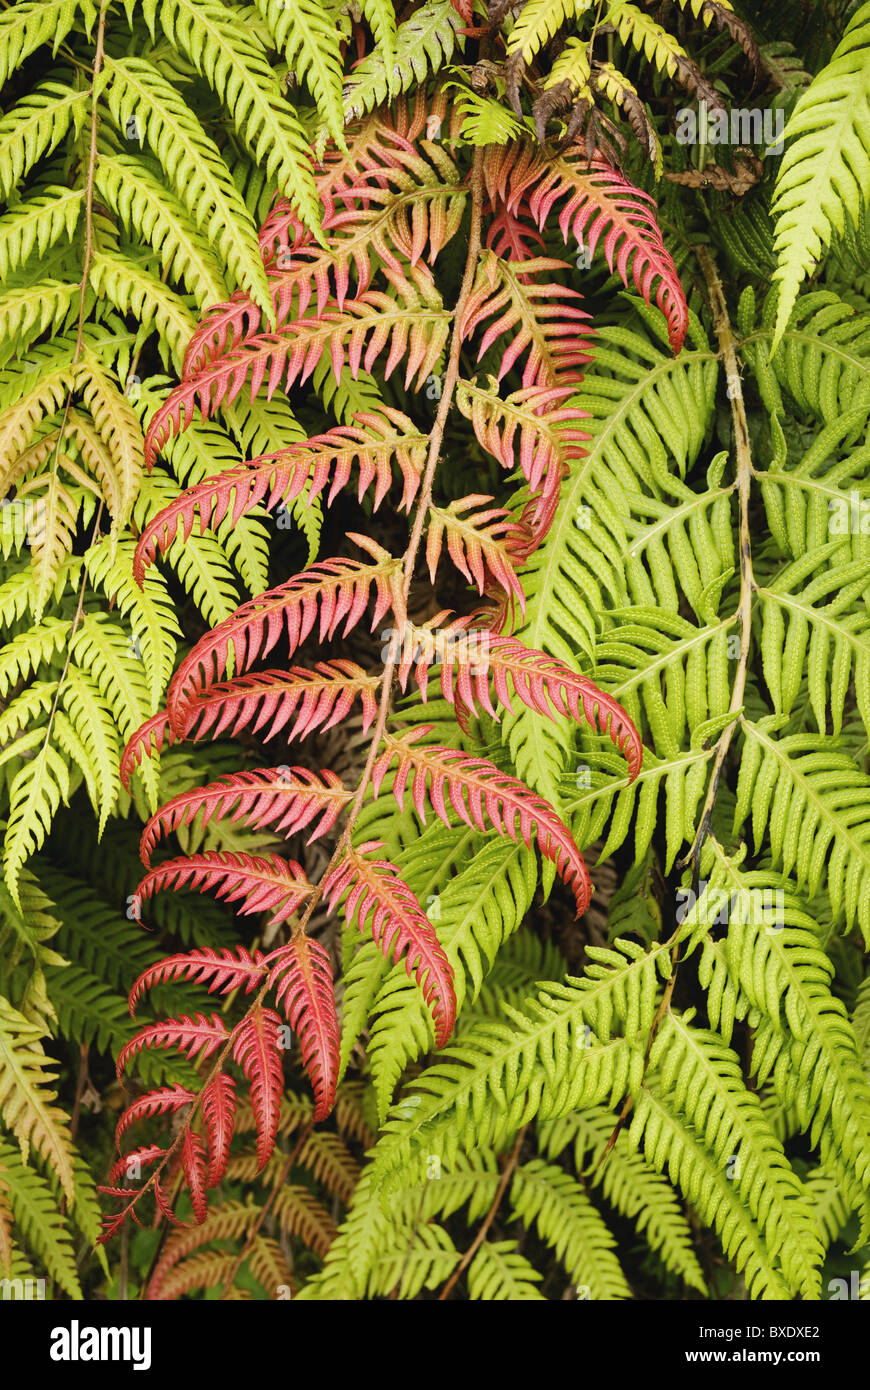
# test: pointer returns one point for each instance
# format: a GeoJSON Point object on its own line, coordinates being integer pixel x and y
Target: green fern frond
{"type": "Point", "coordinates": [133, 289]}
{"type": "Point", "coordinates": [825, 173]}
{"type": "Point", "coordinates": [97, 728]}
{"type": "Point", "coordinates": [32, 310]}
{"type": "Point", "coordinates": [640, 30]}
{"type": "Point", "coordinates": [538, 21]}
{"type": "Point", "coordinates": [149, 611]}
{"type": "Point", "coordinates": [38, 223]}
{"type": "Point", "coordinates": [571, 66]}
{"type": "Point", "coordinates": [35, 126]}
{"type": "Point", "coordinates": [701, 1077]}
{"type": "Point", "coordinates": [499, 1272]}
{"type": "Point", "coordinates": [545, 1195]}
{"type": "Point", "coordinates": [823, 359]}
{"type": "Point", "coordinates": [672, 1146]}
{"type": "Point", "coordinates": [484, 120]}
{"type": "Point", "coordinates": [117, 426]}
{"type": "Point", "coordinates": [647, 409]}
{"type": "Point", "coordinates": [26, 27]}
{"type": "Point", "coordinates": [137, 93]}
{"type": "Point", "coordinates": [310, 34]}
{"type": "Point", "coordinates": [232, 60]}
{"type": "Point", "coordinates": [381, 18]}
{"type": "Point", "coordinates": [629, 1184]}
{"type": "Point", "coordinates": [24, 653]}
{"type": "Point", "coordinates": [38, 1221]}
{"type": "Point", "coordinates": [820, 630]}
{"type": "Point", "coordinates": [557, 1052]}
{"type": "Point", "coordinates": [150, 211]}
{"type": "Point", "coordinates": [813, 801]}
{"type": "Point", "coordinates": [35, 795]}
{"type": "Point", "coordinates": [473, 914]}
{"type": "Point", "coordinates": [772, 961]}
{"type": "Point", "coordinates": [423, 44]}
{"type": "Point", "coordinates": [56, 512]}
{"type": "Point", "coordinates": [25, 1101]}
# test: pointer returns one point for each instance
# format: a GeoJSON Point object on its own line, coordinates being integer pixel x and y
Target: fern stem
{"type": "Point", "coordinates": [424, 499]}
{"type": "Point", "coordinates": [743, 467]}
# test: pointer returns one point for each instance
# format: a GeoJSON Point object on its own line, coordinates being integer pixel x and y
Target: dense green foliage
{"type": "Point", "coordinates": [668, 1096]}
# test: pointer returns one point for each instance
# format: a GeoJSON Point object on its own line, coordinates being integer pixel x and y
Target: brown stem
{"type": "Point", "coordinates": [423, 501]}
{"type": "Point", "coordinates": [507, 1174]}
{"type": "Point", "coordinates": [80, 1090]}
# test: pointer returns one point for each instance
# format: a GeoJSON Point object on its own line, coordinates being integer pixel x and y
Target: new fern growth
{"type": "Point", "coordinates": [333, 596]}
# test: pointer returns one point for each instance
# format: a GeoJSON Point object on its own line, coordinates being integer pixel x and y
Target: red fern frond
{"type": "Point", "coordinates": [512, 237]}
{"type": "Point", "coordinates": [221, 971]}
{"type": "Point", "coordinates": [164, 1206]}
{"type": "Point", "coordinates": [112, 1225]}
{"type": "Point", "coordinates": [537, 516]}
{"type": "Point", "coordinates": [538, 421]}
{"type": "Point", "coordinates": [218, 1111]}
{"type": "Point", "coordinates": [142, 1157]}
{"type": "Point", "coordinates": [302, 973]}
{"type": "Point", "coordinates": [373, 145]}
{"type": "Point", "coordinates": [270, 479]}
{"type": "Point", "coordinates": [164, 1101]}
{"type": "Point", "coordinates": [194, 1037]}
{"type": "Point", "coordinates": [398, 209]}
{"type": "Point", "coordinates": [284, 798]}
{"type": "Point", "coordinates": [398, 925]}
{"type": "Point", "coordinates": [471, 658]}
{"type": "Point", "coordinates": [333, 591]}
{"type": "Point", "coordinates": [599, 204]}
{"type": "Point", "coordinates": [370, 445]}
{"type": "Point", "coordinates": [256, 1049]}
{"type": "Point", "coordinates": [193, 1163]}
{"type": "Point", "coordinates": [537, 320]}
{"type": "Point", "coordinates": [480, 794]}
{"type": "Point", "coordinates": [465, 9]}
{"type": "Point", "coordinates": [150, 737]}
{"type": "Point", "coordinates": [266, 701]}
{"type": "Point", "coordinates": [252, 882]}
{"type": "Point", "coordinates": [224, 324]}
{"type": "Point", "coordinates": [413, 331]}
{"type": "Point", "coordinates": [480, 543]}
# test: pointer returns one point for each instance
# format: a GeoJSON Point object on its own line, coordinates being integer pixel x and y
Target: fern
{"type": "Point", "coordinates": [434, 669]}
{"type": "Point", "coordinates": [823, 176]}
